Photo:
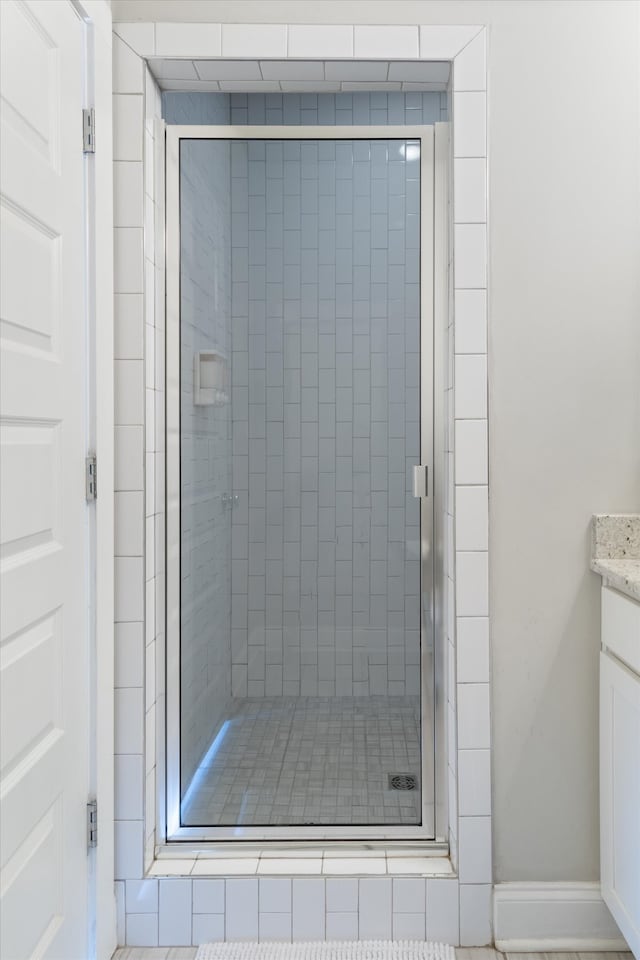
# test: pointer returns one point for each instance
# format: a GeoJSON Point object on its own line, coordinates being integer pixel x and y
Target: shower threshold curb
{"type": "Point", "coordinates": [302, 862]}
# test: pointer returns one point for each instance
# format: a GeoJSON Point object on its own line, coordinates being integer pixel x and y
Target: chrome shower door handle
{"type": "Point", "coordinates": [420, 480]}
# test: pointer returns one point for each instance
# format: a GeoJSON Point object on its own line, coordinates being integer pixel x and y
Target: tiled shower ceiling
{"type": "Point", "coordinates": [304, 76]}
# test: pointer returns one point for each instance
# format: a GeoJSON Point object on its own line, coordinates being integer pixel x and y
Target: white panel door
{"type": "Point", "coordinates": [43, 522]}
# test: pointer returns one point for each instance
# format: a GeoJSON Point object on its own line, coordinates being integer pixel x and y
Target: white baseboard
{"type": "Point", "coordinates": [553, 916]}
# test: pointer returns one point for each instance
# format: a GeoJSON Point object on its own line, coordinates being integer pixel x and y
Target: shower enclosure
{"type": "Point", "coordinates": [301, 569]}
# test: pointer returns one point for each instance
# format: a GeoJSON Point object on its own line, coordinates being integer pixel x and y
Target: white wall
{"type": "Point", "coordinates": [564, 353]}
{"type": "Point", "coordinates": [564, 166]}
{"type": "Point", "coordinates": [292, 11]}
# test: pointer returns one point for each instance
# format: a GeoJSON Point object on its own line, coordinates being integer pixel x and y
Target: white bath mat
{"type": "Point", "coordinates": [328, 950]}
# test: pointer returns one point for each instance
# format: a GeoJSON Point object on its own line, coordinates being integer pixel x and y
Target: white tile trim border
{"type": "Point", "coordinates": [303, 863]}
{"type": "Point", "coordinates": [469, 913]}
{"type": "Point", "coordinates": [302, 41]}
{"type": "Point", "coordinates": [553, 916]}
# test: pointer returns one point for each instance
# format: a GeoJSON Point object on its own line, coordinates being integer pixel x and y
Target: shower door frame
{"type": "Point", "coordinates": [434, 258]}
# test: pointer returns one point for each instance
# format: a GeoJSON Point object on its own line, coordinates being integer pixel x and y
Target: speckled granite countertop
{"type": "Point", "coordinates": [615, 551]}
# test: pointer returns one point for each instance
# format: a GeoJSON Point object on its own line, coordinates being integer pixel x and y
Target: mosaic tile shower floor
{"type": "Point", "coordinates": [311, 760]}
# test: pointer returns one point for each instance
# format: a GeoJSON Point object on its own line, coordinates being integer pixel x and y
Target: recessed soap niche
{"type": "Point", "coordinates": [210, 378]}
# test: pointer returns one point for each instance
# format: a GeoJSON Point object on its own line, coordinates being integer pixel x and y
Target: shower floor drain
{"type": "Point", "coordinates": [403, 781]}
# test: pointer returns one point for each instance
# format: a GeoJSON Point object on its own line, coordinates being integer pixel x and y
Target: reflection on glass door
{"type": "Point", "coordinates": [302, 579]}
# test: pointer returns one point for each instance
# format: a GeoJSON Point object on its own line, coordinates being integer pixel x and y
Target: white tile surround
{"type": "Point", "coordinates": [186, 907]}
{"type": "Point", "coordinates": [286, 76]}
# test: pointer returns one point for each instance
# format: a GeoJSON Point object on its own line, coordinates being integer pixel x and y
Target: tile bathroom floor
{"type": "Point", "coordinates": [311, 760]}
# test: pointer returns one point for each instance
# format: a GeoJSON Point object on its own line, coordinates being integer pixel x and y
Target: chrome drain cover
{"type": "Point", "coordinates": [403, 781]}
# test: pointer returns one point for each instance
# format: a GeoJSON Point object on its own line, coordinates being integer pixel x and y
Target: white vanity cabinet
{"type": "Point", "coordinates": [620, 762]}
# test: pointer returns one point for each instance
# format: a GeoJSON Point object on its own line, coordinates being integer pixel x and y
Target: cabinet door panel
{"type": "Point", "coordinates": [621, 627]}
{"type": "Point", "coordinates": [620, 795]}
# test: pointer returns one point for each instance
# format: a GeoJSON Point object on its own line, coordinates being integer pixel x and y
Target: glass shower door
{"type": "Point", "coordinates": [306, 684]}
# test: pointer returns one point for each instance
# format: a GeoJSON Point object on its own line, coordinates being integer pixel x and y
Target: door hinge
{"type": "Point", "coordinates": [92, 823]}
{"type": "Point", "coordinates": [91, 477]}
{"type": "Point", "coordinates": [421, 480]}
{"type": "Point", "coordinates": [89, 130]}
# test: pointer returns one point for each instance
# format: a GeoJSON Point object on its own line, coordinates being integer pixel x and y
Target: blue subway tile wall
{"type": "Point", "coordinates": [325, 304]}
{"type": "Point", "coordinates": [336, 109]}
{"type": "Point", "coordinates": [331, 109]}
